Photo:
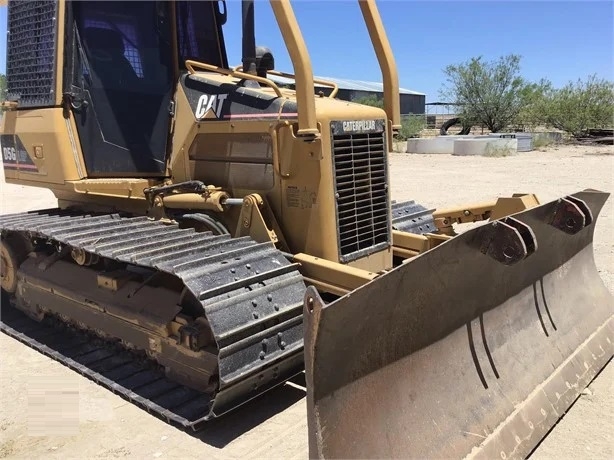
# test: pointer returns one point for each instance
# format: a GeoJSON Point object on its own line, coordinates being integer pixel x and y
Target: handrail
{"type": "Point", "coordinates": [275, 144]}
{"type": "Point", "coordinates": [232, 73]}
{"type": "Point", "coordinates": [304, 81]}
{"type": "Point", "coordinates": [332, 84]}
{"type": "Point", "coordinates": [315, 80]}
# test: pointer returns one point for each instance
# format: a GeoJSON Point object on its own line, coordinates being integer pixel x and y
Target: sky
{"type": "Point", "coordinates": [560, 41]}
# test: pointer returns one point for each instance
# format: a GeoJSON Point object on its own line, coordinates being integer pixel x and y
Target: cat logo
{"type": "Point", "coordinates": [210, 103]}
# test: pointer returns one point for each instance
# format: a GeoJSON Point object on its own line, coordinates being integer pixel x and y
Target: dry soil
{"type": "Point", "coordinates": [49, 411]}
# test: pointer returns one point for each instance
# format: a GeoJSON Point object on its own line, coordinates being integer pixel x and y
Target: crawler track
{"type": "Point", "coordinates": [250, 294]}
{"type": "Point", "coordinates": [411, 217]}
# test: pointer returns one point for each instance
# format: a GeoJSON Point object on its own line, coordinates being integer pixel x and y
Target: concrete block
{"type": "Point", "coordinates": [434, 145]}
{"type": "Point", "coordinates": [486, 146]}
{"type": "Point", "coordinates": [525, 140]}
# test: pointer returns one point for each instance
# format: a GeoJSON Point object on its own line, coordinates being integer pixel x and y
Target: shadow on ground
{"type": "Point", "coordinates": [220, 432]}
{"type": "Point", "coordinates": [142, 384]}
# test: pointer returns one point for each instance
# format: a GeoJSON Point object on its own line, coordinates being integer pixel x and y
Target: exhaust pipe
{"type": "Point", "coordinates": [248, 54]}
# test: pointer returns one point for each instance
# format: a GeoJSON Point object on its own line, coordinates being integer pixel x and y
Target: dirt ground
{"type": "Point", "coordinates": [49, 411]}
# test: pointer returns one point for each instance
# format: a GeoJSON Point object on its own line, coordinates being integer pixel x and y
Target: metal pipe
{"type": "Point", "coordinates": [383, 51]}
{"type": "Point", "coordinates": [233, 202]}
{"type": "Point", "coordinates": [190, 65]}
{"type": "Point", "coordinates": [297, 49]}
{"type": "Point", "coordinates": [248, 54]}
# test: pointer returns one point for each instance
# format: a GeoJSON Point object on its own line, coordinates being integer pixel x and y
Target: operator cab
{"type": "Point", "coordinates": [124, 61]}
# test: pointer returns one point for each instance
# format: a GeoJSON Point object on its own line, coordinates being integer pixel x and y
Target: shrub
{"type": "Point", "coordinates": [579, 106]}
{"type": "Point", "coordinates": [411, 126]}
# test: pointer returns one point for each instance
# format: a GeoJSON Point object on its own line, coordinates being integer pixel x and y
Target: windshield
{"type": "Point", "coordinates": [199, 37]}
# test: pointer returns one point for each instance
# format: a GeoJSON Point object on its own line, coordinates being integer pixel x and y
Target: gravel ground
{"type": "Point", "coordinates": [49, 411]}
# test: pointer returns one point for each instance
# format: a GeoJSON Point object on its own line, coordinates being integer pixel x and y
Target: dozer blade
{"type": "Point", "coordinates": [472, 349]}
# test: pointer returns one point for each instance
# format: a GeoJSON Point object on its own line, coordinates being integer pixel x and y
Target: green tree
{"type": "Point", "coordinates": [489, 93]}
{"type": "Point", "coordinates": [2, 87]}
{"type": "Point", "coordinates": [533, 97]}
{"type": "Point", "coordinates": [579, 106]}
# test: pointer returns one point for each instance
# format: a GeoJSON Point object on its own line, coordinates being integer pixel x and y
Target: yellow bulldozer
{"type": "Point", "coordinates": [218, 233]}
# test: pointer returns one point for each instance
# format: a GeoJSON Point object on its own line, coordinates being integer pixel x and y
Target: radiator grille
{"type": "Point", "coordinates": [31, 50]}
{"type": "Point", "coordinates": [360, 169]}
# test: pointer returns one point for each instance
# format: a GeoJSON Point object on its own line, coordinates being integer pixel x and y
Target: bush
{"type": "Point", "coordinates": [495, 95]}
{"type": "Point", "coordinates": [533, 96]}
{"type": "Point", "coordinates": [579, 106]}
{"type": "Point", "coordinates": [411, 126]}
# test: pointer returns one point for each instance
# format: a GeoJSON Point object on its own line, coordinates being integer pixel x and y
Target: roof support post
{"type": "Point", "coordinates": [390, 77]}
{"type": "Point", "coordinates": [297, 49]}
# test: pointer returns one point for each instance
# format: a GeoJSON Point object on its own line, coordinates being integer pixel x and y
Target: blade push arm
{"type": "Point", "coordinates": [504, 206]}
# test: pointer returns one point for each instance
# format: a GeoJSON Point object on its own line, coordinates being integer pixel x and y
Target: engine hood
{"type": "Point", "coordinates": [215, 97]}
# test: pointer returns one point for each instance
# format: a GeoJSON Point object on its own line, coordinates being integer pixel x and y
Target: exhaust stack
{"type": "Point", "coordinates": [248, 54]}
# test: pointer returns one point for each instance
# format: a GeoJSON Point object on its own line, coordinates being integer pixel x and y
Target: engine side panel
{"type": "Point", "coordinates": [39, 148]}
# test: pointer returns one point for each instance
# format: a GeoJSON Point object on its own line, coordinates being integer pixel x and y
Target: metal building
{"type": "Point", "coordinates": [350, 90]}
